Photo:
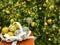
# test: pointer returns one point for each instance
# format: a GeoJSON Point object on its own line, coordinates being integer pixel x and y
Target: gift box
{"type": "Point", "coordinates": [25, 42]}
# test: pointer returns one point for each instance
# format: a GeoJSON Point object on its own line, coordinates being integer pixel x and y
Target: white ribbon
{"type": "Point", "coordinates": [14, 42]}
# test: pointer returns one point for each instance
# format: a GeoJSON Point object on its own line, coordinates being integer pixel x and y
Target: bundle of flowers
{"type": "Point", "coordinates": [15, 32]}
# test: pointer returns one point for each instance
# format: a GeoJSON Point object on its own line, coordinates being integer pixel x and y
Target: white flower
{"type": "Point", "coordinates": [17, 32]}
{"type": "Point", "coordinates": [29, 20]}
{"type": "Point", "coordinates": [25, 28]}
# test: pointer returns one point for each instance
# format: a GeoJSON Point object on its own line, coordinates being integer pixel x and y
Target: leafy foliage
{"type": "Point", "coordinates": [35, 14]}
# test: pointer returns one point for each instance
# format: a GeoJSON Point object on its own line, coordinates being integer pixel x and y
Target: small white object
{"type": "Point", "coordinates": [29, 20]}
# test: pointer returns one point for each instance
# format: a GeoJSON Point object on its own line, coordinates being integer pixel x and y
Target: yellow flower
{"type": "Point", "coordinates": [44, 5]}
{"type": "Point", "coordinates": [5, 30]}
{"type": "Point", "coordinates": [16, 25]}
{"type": "Point", "coordinates": [45, 24]}
{"type": "Point", "coordinates": [47, 1]}
{"type": "Point", "coordinates": [12, 28]}
{"type": "Point", "coordinates": [49, 21]}
{"type": "Point", "coordinates": [51, 7]}
{"type": "Point", "coordinates": [32, 24]}
{"type": "Point", "coordinates": [49, 39]}
{"type": "Point", "coordinates": [10, 33]}
{"type": "Point", "coordinates": [7, 11]}
{"type": "Point", "coordinates": [12, 20]}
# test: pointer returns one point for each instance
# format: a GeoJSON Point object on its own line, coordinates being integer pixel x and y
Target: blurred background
{"type": "Point", "coordinates": [41, 16]}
